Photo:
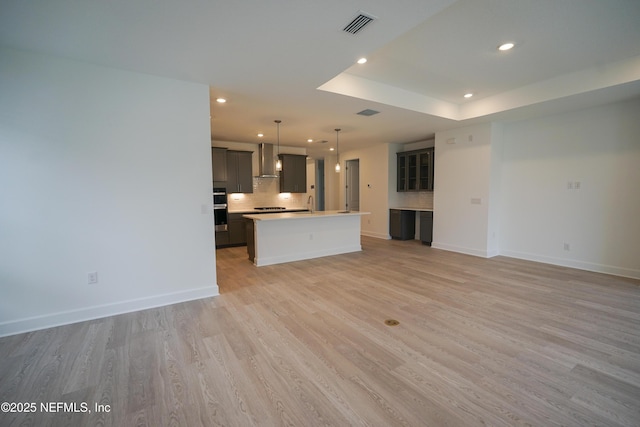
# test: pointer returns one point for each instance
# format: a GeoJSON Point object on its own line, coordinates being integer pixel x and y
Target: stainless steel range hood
{"type": "Point", "coordinates": [267, 161]}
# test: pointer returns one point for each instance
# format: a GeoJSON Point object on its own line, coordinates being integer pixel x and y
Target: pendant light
{"type": "Point", "coordinates": [278, 162]}
{"type": "Point", "coordinates": [337, 151]}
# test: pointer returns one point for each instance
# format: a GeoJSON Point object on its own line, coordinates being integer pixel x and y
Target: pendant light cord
{"type": "Point", "coordinates": [338, 149]}
{"type": "Point", "coordinates": [278, 133]}
{"type": "Point", "coordinates": [278, 162]}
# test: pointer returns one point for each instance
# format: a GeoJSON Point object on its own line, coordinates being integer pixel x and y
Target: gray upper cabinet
{"type": "Point", "coordinates": [293, 176]}
{"type": "Point", "coordinates": [425, 170]}
{"type": "Point", "coordinates": [219, 163]}
{"type": "Point", "coordinates": [415, 170]}
{"type": "Point", "coordinates": [239, 172]}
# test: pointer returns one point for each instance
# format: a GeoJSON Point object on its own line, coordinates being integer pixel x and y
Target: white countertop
{"type": "Point", "coordinates": [404, 208]}
{"type": "Point", "coordinates": [301, 215]}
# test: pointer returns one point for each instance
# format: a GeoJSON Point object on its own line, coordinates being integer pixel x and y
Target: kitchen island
{"type": "Point", "coordinates": [284, 237]}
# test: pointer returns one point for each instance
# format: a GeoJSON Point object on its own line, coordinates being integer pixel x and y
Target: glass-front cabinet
{"type": "Point", "coordinates": [412, 173]}
{"type": "Point", "coordinates": [401, 182]}
{"type": "Point", "coordinates": [425, 160]}
{"type": "Point", "coordinates": [415, 170]}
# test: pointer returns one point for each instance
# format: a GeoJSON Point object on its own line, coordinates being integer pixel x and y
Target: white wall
{"type": "Point", "coordinates": [521, 173]}
{"type": "Point", "coordinates": [395, 198]}
{"type": "Point", "coordinates": [374, 187]}
{"type": "Point", "coordinates": [598, 147]}
{"type": "Point", "coordinates": [463, 187]}
{"type": "Point", "coordinates": [333, 199]}
{"type": "Point", "coordinates": [100, 170]}
{"type": "Point", "coordinates": [494, 208]}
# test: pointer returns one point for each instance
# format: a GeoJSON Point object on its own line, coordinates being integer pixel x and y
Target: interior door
{"type": "Point", "coordinates": [353, 185]}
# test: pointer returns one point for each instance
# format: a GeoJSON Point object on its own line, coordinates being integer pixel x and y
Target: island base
{"type": "Point", "coordinates": [302, 237]}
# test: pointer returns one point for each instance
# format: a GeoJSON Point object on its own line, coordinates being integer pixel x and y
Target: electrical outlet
{"type": "Point", "coordinates": [567, 247]}
{"type": "Point", "coordinates": [92, 278]}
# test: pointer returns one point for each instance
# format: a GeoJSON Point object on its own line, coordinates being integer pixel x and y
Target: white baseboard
{"type": "Point", "coordinates": [580, 265]}
{"type": "Point", "coordinates": [97, 312]}
{"type": "Point", "coordinates": [463, 250]}
{"type": "Point", "coordinates": [376, 235]}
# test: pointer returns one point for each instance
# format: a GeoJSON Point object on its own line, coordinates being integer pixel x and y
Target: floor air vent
{"type": "Point", "coordinates": [358, 23]}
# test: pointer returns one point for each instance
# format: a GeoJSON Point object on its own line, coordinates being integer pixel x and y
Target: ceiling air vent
{"type": "Point", "coordinates": [368, 112]}
{"type": "Point", "coordinates": [358, 23]}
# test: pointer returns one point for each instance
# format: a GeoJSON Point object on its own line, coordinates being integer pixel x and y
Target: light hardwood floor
{"type": "Point", "coordinates": [497, 342]}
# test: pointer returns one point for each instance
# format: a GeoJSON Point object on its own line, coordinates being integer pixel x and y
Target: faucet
{"type": "Point", "coordinates": [310, 203]}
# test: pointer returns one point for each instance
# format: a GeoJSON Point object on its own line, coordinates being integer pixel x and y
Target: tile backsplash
{"type": "Point", "coordinates": [420, 199]}
{"type": "Point", "coordinates": [266, 192]}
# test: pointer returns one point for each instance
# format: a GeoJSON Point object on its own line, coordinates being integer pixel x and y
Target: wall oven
{"type": "Point", "coordinates": [220, 209]}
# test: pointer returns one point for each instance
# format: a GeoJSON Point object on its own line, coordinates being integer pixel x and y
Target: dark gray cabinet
{"type": "Point", "coordinates": [251, 243]}
{"type": "Point", "coordinates": [426, 227]}
{"type": "Point", "coordinates": [237, 226]}
{"type": "Point", "coordinates": [415, 170]}
{"type": "Point", "coordinates": [401, 181]}
{"type": "Point", "coordinates": [402, 224]}
{"type": "Point", "coordinates": [425, 170]}
{"type": "Point", "coordinates": [222, 239]}
{"type": "Point", "coordinates": [293, 176]}
{"type": "Point", "coordinates": [219, 164]}
{"type": "Point", "coordinates": [239, 172]}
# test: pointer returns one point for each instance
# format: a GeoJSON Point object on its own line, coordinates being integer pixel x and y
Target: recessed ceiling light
{"type": "Point", "coordinates": [506, 46]}
{"type": "Point", "coordinates": [362, 60]}
{"type": "Point", "coordinates": [260, 135]}
{"type": "Point", "coordinates": [221, 100]}
{"type": "Point", "coordinates": [468, 95]}
{"type": "Point", "coordinates": [331, 149]}
{"type": "Point", "coordinates": [309, 140]}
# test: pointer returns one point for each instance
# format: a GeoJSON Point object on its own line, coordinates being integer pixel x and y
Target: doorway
{"type": "Point", "coordinates": [352, 189]}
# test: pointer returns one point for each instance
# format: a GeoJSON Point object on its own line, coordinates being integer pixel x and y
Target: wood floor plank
{"type": "Point", "coordinates": [230, 395]}
{"type": "Point", "coordinates": [497, 341]}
